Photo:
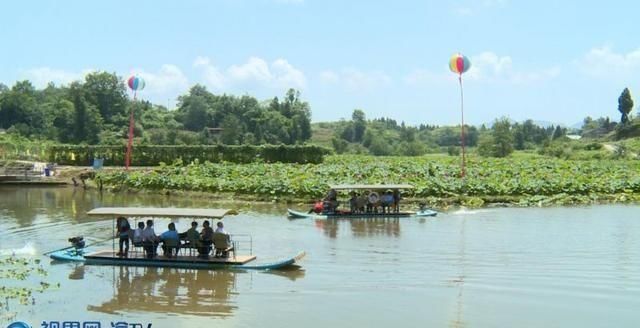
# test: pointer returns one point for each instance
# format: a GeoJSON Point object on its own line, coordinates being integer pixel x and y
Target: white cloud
{"type": "Point", "coordinates": [256, 71]}
{"type": "Point", "coordinates": [211, 74]}
{"type": "Point", "coordinates": [286, 75]}
{"type": "Point", "coordinates": [603, 62]}
{"type": "Point", "coordinates": [487, 67]}
{"type": "Point", "coordinates": [168, 80]}
{"type": "Point", "coordinates": [356, 80]}
{"type": "Point", "coordinates": [423, 76]}
{"type": "Point", "coordinates": [41, 76]}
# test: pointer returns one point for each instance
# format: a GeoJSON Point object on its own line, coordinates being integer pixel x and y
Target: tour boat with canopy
{"type": "Point", "coordinates": [365, 201]}
{"type": "Point", "coordinates": [186, 256]}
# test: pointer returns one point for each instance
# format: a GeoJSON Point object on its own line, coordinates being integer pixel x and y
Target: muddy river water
{"type": "Point", "coordinates": [505, 267]}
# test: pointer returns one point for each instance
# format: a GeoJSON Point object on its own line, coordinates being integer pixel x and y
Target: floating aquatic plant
{"type": "Point", "coordinates": [21, 272]}
{"type": "Point", "coordinates": [524, 180]}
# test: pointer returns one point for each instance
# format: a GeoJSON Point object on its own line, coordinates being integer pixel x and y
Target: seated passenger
{"type": "Point", "coordinates": [332, 195]}
{"type": "Point", "coordinates": [373, 201]}
{"type": "Point", "coordinates": [220, 227]}
{"type": "Point", "coordinates": [149, 240]}
{"type": "Point", "coordinates": [222, 241]}
{"type": "Point", "coordinates": [206, 239]}
{"type": "Point", "coordinates": [353, 203]}
{"type": "Point", "coordinates": [361, 203]}
{"type": "Point", "coordinates": [396, 200]}
{"type": "Point", "coordinates": [137, 235]}
{"type": "Point", "coordinates": [317, 208]}
{"type": "Point", "coordinates": [386, 201]}
{"type": "Point", "coordinates": [170, 240]}
{"type": "Point", "coordinates": [192, 235]}
{"type": "Point", "coordinates": [330, 203]}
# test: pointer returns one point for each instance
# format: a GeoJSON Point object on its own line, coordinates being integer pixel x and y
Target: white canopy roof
{"type": "Point", "coordinates": [370, 187]}
{"type": "Point", "coordinates": [171, 212]}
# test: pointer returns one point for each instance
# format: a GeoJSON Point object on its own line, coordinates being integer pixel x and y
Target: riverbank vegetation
{"type": "Point", "coordinates": [153, 155]}
{"type": "Point", "coordinates": [526, 179]}
{"type": "Point", "coordinates": [244, 147]}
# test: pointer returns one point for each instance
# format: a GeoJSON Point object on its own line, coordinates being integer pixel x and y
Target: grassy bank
{"type": "Point", "coordinates": [523, 180]}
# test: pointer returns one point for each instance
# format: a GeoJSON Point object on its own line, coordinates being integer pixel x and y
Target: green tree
{"type": "Point", "coordinates": [63, 120]}
{"type": "Point", "coordinates": [559, 132]}
{"type": "Point", "coordinates": [275, 128]}
{"type": "Point", "coordinates": [19, 105]}
{"type": "Point", "coordinates": [359, 125]}
{"type": "Point", "coordinates": [299, 115]}
{"type": "Point", "coordinates": [348, 133]}
{"type": "Point", "coordinates": [195, 113]}
{"type": "Point", "coordinates": [231, 131]}
{"type": "Point", "coordinates": [339, 145]}
{"type": "Point", "coordinates": [413, 148]}
{"type": "Point", "coordinates": [499, 143]}
{"type": "Point", "coordinates": [625, 104]}
{"type": "Point", "coordinates": [486, 145]}
{"type": "Point", "coordinates": [519, 139]}
{"type": "Point", "coordinates": [87, 122]}
{"type": "Point", "coordinates": [380, 147]}
{"type": "Point", "coordinates": [503, 139]}
{"type": "Point", "coordinates": [107, 92]}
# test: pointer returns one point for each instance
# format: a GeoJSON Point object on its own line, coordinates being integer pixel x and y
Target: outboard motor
{"type": "Point", "coordinates": [77, 242]}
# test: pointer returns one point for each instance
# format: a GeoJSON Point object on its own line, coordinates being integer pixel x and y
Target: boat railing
{"type": "Point", "coordinates": [242, 240]}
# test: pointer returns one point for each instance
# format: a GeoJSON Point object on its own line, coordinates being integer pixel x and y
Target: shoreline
{"type": "Point", "coordinates": [439, 203]}
{"type": "Point", "coordinates": [490, 182]}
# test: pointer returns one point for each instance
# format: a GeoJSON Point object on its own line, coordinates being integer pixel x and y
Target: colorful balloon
{"type": "Point", "coordinates": [459, 64]}
{"type": "Point", "coordinates": [136, 83]}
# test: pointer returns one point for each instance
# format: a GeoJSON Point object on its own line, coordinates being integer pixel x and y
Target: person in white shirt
{"type": "Point", "coordinates": [220, 228]}
{"type": "Point", "coordinates": [221, 246]}
{"type": "Point", "coordinates": [137, 235]}
{"type": "Point", "coordinates": [150, 240]}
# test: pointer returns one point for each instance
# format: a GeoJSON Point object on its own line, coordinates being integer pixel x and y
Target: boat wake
{"type": "Point", "coordinates": [465, 211]}
{"type": "Point", "coordinates": [27, 249]}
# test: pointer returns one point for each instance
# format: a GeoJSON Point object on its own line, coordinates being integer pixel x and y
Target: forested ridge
{"type": "Point", "coordinates": [95, 111]}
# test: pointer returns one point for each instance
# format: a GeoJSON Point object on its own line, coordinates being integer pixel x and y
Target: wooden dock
{"type": "Point", "coordinates": [26, 174]}
{"type": "Point", "coordinates": [32, 182]}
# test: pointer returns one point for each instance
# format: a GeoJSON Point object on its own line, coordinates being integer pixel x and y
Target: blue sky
{"type": "Point", "coordinates": [555, 61]}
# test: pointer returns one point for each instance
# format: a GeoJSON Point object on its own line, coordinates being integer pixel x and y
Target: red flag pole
{"type": "Point", "coordinates": [462, 173]}
{"type": "Point", "coordinates": [130, 142]}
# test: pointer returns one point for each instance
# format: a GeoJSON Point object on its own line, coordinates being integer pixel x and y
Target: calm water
{"type": "Point", "coordinates": [551, 267]}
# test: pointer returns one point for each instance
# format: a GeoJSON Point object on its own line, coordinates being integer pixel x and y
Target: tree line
{"type": "Point", "coordinates": [96, 111]}
{"type": "Point", "coordinates": [385, 136]}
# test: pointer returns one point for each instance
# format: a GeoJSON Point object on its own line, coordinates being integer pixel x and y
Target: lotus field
{"type": "Point", "coordinates": [523, 180]}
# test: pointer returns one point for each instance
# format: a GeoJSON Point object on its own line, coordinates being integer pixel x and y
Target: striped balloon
{"type": "Point", "coordinates": [459, 63]}
{"type": "Point", "coordinates": [136, 83]}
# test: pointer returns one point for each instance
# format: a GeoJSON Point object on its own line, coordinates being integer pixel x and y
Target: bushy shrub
{"type": "Point", "coordinates": [152, 155]}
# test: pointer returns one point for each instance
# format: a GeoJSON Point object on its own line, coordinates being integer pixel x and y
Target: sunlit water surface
{"type": "Point", "coordinates": [511, 267]}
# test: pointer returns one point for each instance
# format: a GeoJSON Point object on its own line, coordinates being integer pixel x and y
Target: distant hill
{"type": "Point", "coordinates": [545, 124]}
{"type": "Point", "coordinates": [321, 133]}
